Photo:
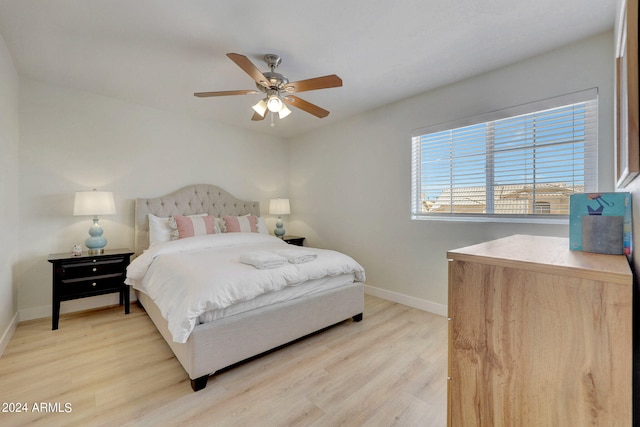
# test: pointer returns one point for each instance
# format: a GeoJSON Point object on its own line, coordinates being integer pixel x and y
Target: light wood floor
{"type": "Point", "coordinates": [112, 369]}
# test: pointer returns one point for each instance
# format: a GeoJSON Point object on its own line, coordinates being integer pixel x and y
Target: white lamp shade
{"type": "Point", "coordinates": [260, 107]}
{"type": "Point", "coordinates": [284, 112]}
{"type": "Point", "coordinates": [274, 104]}
{"type": "Point", "coordinates": [94, 203]}
{"type": "Point", "coordinates": [279, 207]}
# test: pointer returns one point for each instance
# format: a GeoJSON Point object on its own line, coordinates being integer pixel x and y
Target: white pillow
{"type": "Point", "coordinates": [160, 229]}
{"type": "Point", "coordinates": [262, 226]}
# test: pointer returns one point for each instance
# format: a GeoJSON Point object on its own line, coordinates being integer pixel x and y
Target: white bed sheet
{"type": "Point", "coordinates": [188, 277]}
{"type": "Point", "coordinates": [287, 294]}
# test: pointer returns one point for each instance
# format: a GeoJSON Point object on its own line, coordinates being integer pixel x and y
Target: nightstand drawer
{"type": "Point", "coordinates": [91, 267]}
{"type": "Point", "coordinates": [86, 285]}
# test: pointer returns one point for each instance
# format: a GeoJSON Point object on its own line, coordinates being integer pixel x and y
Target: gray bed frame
{"type": "Point", "coordinates": [225, 342]}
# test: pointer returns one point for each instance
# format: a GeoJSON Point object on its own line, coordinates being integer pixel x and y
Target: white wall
{"type": "Point", "coordinates": [73, 141]}
{"type": "Point", "coordinates": [9, 126]}
{"type": "Point", "coordinates": [350, 183]}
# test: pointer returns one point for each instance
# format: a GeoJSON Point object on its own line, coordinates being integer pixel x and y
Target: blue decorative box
{"type": "Point", "coordinates": [600, 223]}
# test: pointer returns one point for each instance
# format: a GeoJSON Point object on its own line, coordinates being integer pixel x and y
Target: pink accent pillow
{"type": "Point", "coordinates": [245, 224]}
{"type": "Point", "coordinates": [190, 226]}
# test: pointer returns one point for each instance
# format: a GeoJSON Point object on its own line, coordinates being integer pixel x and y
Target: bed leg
{"type": "Point", "coordinates": [357, 317]}
{"type": "Point", "coordinates": [199, 383]}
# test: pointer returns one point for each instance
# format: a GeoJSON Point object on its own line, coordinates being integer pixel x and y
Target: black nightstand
{"type": "Point", "coordinates": [293, 240]}
{"type": "Point", "coordinates": [88, 275]}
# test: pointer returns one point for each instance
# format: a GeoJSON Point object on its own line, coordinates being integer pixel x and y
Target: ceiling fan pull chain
{"type": "Point", "coordinates": [272, 123]}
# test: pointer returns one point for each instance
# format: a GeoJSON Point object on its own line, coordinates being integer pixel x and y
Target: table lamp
{"type": "Point", "coordinates": [279, 207]}
{"type": "Point", "coordinates": [94, 203]}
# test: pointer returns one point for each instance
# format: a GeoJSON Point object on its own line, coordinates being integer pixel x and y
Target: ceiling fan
{"type": "Point", "coordinates": [277, 89]}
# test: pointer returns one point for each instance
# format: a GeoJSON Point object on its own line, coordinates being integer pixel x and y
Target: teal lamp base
{"type": "Point", "coordinates": [96, 242]}
{"type": "Point", "coordinates": [279, 231]}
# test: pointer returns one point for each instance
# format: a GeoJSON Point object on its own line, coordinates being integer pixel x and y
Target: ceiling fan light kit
{"type": "Point", "coordinates": [275, 86]}
{"type": "Point", "coordinates": [274, 104]}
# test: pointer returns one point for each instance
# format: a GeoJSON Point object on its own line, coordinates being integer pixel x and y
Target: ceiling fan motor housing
{"type": "Point", "coordinates": [276, 81]}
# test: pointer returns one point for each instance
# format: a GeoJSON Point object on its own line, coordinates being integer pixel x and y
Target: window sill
{"type": "Point", "coordinates": [508, 219]}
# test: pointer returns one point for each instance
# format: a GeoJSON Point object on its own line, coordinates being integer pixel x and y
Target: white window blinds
{"type": "Point", "coordinates": [522, 162]}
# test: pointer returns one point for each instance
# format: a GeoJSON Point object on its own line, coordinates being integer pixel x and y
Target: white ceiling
{"type": "Point", "coordinates": [158, 52]}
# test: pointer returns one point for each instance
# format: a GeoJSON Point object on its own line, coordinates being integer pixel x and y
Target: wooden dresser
{"type": "Point", "coordinates": [539, 335]}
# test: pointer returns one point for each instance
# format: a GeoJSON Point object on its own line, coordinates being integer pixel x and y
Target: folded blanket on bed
{"type": "Point", "coordinates": [263, 260]}
{"type": "Point", "coordinates": [297, 256]}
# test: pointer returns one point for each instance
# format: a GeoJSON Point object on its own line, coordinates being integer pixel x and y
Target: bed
{"type": "Point", "coordinates": [246, 327]}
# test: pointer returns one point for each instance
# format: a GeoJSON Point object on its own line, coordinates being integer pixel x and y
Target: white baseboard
{"type": "Point", "coordinates": [72, 306]}
{"type": "Point", "coordinates": [421, 304]}
{"type": "Point", "coordinates": [113, 299]}
{"type": "Point", "coordinates": [8, 333]}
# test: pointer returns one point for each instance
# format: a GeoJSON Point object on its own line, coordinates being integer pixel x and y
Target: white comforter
{"type": "Point", "coordinates": [188, 277]}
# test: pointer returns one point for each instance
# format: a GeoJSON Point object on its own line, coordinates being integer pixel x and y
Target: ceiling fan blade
{"type": "Point", "coordinates": [225, 93]}
{"type": "Point", "coordinates": [310, 108]}
{"type": "Point", "coordinates": [257, 117]}
{"type": "Point", "coordinates": [324, 82]}
{"type": "Point", "coordinates": [248, 67]}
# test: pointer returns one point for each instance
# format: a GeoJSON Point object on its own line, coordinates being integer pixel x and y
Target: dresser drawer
{"type": "Point", "coordinates": [84, 286]}
{"type": "Point", "coordinates": [92, 267]}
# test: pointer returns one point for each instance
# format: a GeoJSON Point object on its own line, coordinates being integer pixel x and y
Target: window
{"type": "Point", "coordinates": [543, 207]}
{"type": "Point", "coordinates": [521, 163]}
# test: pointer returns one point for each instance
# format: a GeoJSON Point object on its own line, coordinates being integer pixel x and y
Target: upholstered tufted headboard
{"type": "Point", "coordinates": [191, 200]}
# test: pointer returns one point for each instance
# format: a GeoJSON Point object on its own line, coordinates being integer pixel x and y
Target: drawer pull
{"type": "Point", "coordinates": [94, 284]}
{"type": "Point", "coordinates": [94, 260]}
{"type": "Point", "coordinates": [95, 269]}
